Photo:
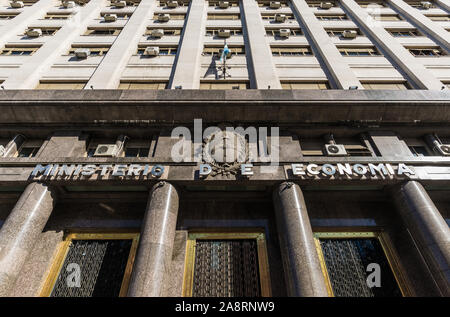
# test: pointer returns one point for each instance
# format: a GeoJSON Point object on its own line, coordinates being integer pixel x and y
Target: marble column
{"type": "Point", "coordinates": [154, 252]}
{"type": "Point", "coordinates": [21, 230]}
{"type": "Point", "coordinates": [301, 264]}
{"type": "Point", "coordinates": [428, 229]}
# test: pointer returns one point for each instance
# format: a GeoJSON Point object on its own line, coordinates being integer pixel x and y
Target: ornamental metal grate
{"type": "Point", "coordinates": [102, 265]}
{"type": "Point", "coordinates": [226, 268]}
{"type": "Point", "coordinates": [346, 261]}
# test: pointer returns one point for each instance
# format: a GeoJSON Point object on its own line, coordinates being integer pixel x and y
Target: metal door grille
{"type": "Point", "coordinates": [347, 260]}
{"type": "Point", "coordinates": [102, 266]}
{"type": "Point", "coordinates": [226, 268]}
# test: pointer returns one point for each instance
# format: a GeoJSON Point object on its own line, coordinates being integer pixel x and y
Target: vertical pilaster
{"type": "Point", "coordinates": [444, 4]}
{"type": "Point", "coordinates": [187, 68]}
{"type": "Point", "coordinates": [262, 70]}
{"type": "Point", "coordinates": [336, 65]}
{"type": "Point", "coordinates": [428, 229]}
{"type": "Point", "coordinates": [108, 72]}
{"type": "Point", "coordinates": [21, 230]}
{"type": "Point", "coordinates": [422, 22]}
{"type": "Point", "coordinates": [417, 73]}
{"type": "Point", "coordinates": [301, 264]}
{"type": "Point", "coordinates": [155, 248]}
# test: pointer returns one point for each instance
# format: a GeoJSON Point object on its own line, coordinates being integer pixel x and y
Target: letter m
{"type": "Point", "coordinates": [39, 169]}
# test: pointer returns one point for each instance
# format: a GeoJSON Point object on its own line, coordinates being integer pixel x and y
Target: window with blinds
{"type": "Point", "coordinates": [317, 4]}
{"type": "Point", "coordinates": [120, 15]}
{"type": "Point", "coordinates": [372, 4]}
{"type": "Point", "coordinates": [60, 85]}
{"type": "Point", "coordinates": [225, 16]}
{"type": "Point", "coordinates": [266, 3]}
{"type": "Point", "coordinates": [331, 17]}
{"type": "Point", "coordinates": [276, 32]}
{"type": "Point", "coordinates": [385, 86]}
{"type": "Point", "coordinates": [103, 31]}
{"type": "Point", "coordinates": [386, 17]}
{"type": "Point", "coordinates": [94, 51]}
{"type": "Point", "coordinates": [224, 85]}
{"type": "Point", "coordinates": [57, 16]}
{"type": "Point", "coordinates": [163, 50]}
{"type": "Point", "coordinates": [404, 33]}
{"type": "Point", "coordinates": [173, 16]}
{"type": "Point", "coordinates": [291, 51]}
{"type": "Point", "coordinates": [163, 3]}
{"type": "Point", "coordinates": [19, 50]}
{"type": "Point", "coordinates": [438, 17]}
{"type": "Point", "coordinates": [143, 85]}
{"type": "Point", "coordinates": [305, 85]}
{"type": "Point", "coordinates": [215, 31]}
{"type": "Point", "coordinates": [340, 32]}
{"type": "Point", "coordinates": [215, 3]}
{"type": "Point", "coordinates": [359, 51]}
{"type": "Point", "coordinates": [426, 51]}
{"type": "Point", "coordinates": [271, 16]}
{"type": "Point", "coordinates": [167, 32]}
{"type": "Point", "coordinates": [217, 50]}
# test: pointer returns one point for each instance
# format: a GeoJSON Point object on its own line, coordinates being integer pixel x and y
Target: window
{"type": "Point", "coordinates": [240, 267]}
{"type": "Point", "coordinates": [266, 3]}
{"type": "Point", "coordinates": [276, 32]}
{"type": "Point", "coordinates": [163, 3]}
{"type": "Point", "coordinates": [60, 85]}
{"type": "Point", "coordinates": [94, 51]}
{"type": "Point", "coordinates": [93, 251]}
{"type": "Point", "coordinates": [317, 4]}
{"type": "Point", "coordinates": [57, 16]}
{"type": "Point", "coordinates": [29, 148]}
{"type": "Point", "coordinates": [47, 31]}
{"type": "Point", "coordinates": [217, 50]}
{"type": "Point", "coordinates": [215, 32]}
{"type": "Point", "coordinates": [340, 32]}
{"type": "Point", "coordinates": [167, 32]}
{"type": "Point", "coordinates": [305, 85]}
{"type": "Point", "coordinates": [229, 16]}
{"type": "Point", "coordinates": [173, 16]}
{"type": "Point", "coordinates": [354, 146]}
{"type": "Point", "coordinates": [130, 3]}
{"type": "Point", "coordinates": [103, 32]}
{"type": "Point", "coordinates": [28, 3]}
{"type": "Point", "coordinates": [439, 17]}
{"type": "Point", "coordinates": [418, 147]}
{"type": "Point", "coordinates": [331, 17]}
{"type": "Point", "coordinates": [345, 258]}
{"type": "Point", "coordinates": [421, 52]}
{"type": "Point", "coordinates": [137, 148]}
{"type": "Point", "coordinates": [19, 51]}
{"type": "Point", "coordinates": [120, 15]}
{"type": "Point", "coordinates": [387, 17]}
{"type": "Point", "coordinates": [418, 4]}
{"type": "Point", "coordinates": [404, 33]}
{"type": "Point", "coordinates": [163, 50]}
{"type": "Point", "coordinates": [224, 85]}
{"type": "Point", "coordinates": [358, 51]}
{"type": "Point", "coordinates": [371, 4]}
{"type": "Point", "coordinates": [142, 85]}
{"type": "Point", "coordinates": [312, 147]}
{"type": "Point", "coordinates": [8, 16]}
{"type": "Point", "coordinates": [291, 51]}
{"type": "Point", "coordinates": [215, 3]}
{"type": "Point", "coordinates": [385, 86]}
{"type": "Point", "coordinates": [266, 16]}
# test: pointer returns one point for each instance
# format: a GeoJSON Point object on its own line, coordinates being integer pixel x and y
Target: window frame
{"type": "Point", "coordinates": [363, 232]}
{"type": "Point", "coordinates": [227, 234]}
{"type": "Point", "coordinates": [64, 246]}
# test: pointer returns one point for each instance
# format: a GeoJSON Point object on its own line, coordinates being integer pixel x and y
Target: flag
{"type": "Point", "coordinates": [225, 52]}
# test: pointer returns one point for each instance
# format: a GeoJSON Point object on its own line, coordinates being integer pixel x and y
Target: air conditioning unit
{"type": "Point", "coordinates": [2, 150]}
{"type": "Point", "coordinates": [443, 149]}
{"type": "Point", "coordinates": [16, 4]}
{"type": "Point", "coordinates": [82, 53]}
{"type": "Point", "coordinates": [280, 17]}
{"type": "Point", "coordinates": [106, 150]}
{"type": "Point", "coordinates": [157, 33]}
{"type": "Point", "coordinates": [224, 33]}
{"type": "Point", "coordinates": [34, 32]}
{"type": "Point", "coordinates": [426, 4]}
{"type": "Point", "coordinates": [224, 4]}
{"type": "Point", "coordinates": [275, 4]}
{"type": "Point", "coordinates": [163, 17]}
{"type": "Point", "coordinates": [120, 4]}
{"type": "Point", "coordinates": [335, 150]}
{"type": "Point", "coordinates": [326, 5]}
{"type": "Point", "coordinates": [285, 32]}
{"type": "Point", "coordinates": [151, 51]}
{"type": "Point", "coordinates": [349, 34]}
{"type": "Point", "coordinates": [172, 4]}
{"type": "Point", "coordinates": [110, 17]}
{"type": "Point", "coordinates": [68, 4]}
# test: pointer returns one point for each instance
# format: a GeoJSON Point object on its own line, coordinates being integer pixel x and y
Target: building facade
{"type": "Point", "coordinates": [224, 148]}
